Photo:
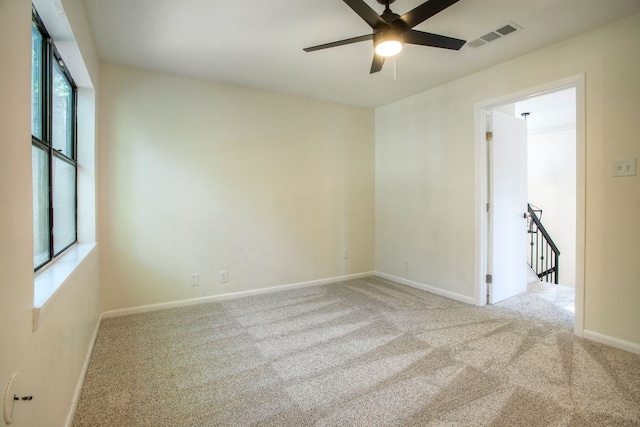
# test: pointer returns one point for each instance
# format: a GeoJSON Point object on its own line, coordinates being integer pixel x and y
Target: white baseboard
{"type": "Point", "coordinates": [83, 374]}
{"type": "Point", "coordinates": [613, 342]}
{"type": "Point", "coordinates": [232, 295]}
{"type": "Point", "coordinates": [422, 286]}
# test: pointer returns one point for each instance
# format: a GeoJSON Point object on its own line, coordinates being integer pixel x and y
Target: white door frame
{"type": "Point", "coordinates": [481, 186]}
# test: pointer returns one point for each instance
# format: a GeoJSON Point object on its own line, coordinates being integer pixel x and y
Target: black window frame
{"type": "Point", "coordinates": [49, 55]}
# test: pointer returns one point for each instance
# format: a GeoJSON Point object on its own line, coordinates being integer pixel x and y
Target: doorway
{"type": "Point", "coordinates": [484, 168]}
{"type": "Point", "coordinates": [551, 175]}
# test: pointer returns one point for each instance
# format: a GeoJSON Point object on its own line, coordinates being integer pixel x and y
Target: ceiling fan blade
{"type": "Point", "coordinates": [425, 11]}
{"type": "Point", "coordinates": [377, 63]}
{"type": "Point", "coordinates": [339, 43]}
{"type": "Point", "coordinates": [365, 12]}
{"type": "Point", "coordinates": [434, 40]}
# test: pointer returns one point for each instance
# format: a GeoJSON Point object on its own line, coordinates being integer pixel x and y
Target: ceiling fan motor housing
{"type": "Point", "coordinates": [392, 18]}
{"type": "Point", "coordinates": [386, 34]}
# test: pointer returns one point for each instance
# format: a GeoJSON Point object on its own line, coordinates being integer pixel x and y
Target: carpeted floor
{"type": "Point", "coordinates": [365, 352]}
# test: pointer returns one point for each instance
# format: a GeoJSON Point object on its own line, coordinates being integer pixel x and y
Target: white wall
{"type": "Point", "coordinates": [425, 173]}
{"type": "Point", "coordinates": [200, 177]}
{"type": "Point", "coordinates": [49, 360]}
{"type": "Point", "coordinates": [552, 187]}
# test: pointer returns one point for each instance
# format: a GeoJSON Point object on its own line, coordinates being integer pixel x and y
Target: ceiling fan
{"type": "Point", "coordinates": [391, 31]}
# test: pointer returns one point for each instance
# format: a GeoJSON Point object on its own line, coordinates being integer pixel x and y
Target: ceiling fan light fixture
{"type": "Point", "coordinates": [389, 43]}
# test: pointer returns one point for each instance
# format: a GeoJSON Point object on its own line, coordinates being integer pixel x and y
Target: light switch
{"type": "Point", "coordinates": [624, 167]}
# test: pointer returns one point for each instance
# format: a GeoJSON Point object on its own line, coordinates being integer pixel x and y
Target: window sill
{"type": "Point", "coordinates": [48, 282]}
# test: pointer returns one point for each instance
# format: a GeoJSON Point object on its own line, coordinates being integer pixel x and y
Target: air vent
{"type": "Point", "coordinates": [506, 30]}
{"type": "Point", "coordinates": [489, 37]}
{"type": "Point", "coordinates": [476, 43]}
{"type": "Point", "coordinates": [494, 35]}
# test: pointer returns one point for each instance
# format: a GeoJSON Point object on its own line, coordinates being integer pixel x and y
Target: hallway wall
{"type": "Point", "coordinates": [552, 187]}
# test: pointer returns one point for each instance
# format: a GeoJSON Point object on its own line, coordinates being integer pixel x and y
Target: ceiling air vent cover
{"type": "Point", "coordinates": [494, 35]}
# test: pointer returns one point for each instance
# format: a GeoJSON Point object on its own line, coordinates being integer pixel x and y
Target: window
{"type": "Point", "coordinates": [53, 148]}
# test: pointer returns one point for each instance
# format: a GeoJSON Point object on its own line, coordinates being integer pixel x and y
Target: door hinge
{"type": "Point", "coordinates": [489, 278]}
{"type": "Point", "coordinates": [489, 136]}
{"type": "Point", "coordinates": [488, 207]}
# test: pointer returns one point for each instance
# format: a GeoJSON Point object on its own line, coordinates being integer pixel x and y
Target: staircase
{"type": "Point", "coordinates": [543, 255]}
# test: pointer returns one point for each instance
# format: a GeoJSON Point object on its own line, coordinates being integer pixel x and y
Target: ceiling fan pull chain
{"type": "Point", "coordinates": [395, 75]}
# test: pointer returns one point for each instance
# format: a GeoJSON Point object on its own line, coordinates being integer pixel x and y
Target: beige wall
{"type": "Point", "coordinates": [49, 360]}
{"type": "Point", "coordinates": [425, 173]}
{"type": "Point", "coordinates": [200, 177]}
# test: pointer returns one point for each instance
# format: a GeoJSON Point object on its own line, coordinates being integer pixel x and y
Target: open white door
{"type": "Point", "coordinates": [508, 193]}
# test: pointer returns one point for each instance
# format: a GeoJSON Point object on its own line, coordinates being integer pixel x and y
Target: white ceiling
{"type": "Point", "coordinates": [549, 112]}
{"type": "Point", "coordinates": [259, 43]}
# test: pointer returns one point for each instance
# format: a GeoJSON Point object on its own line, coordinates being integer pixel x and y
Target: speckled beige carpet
{"type": "Point", "coordinates": [365, 352]}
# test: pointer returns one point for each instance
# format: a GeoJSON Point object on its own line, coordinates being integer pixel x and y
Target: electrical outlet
{"type": "Point", "coordinates": [406, 265]}
{"type": "Point", "coordinates": [194, 280]}
{"type": "Point", "coordinates": [224, 276]}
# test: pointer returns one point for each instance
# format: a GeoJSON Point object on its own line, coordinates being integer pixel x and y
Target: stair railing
{"type": "Point", "coordinates": [544, 255]}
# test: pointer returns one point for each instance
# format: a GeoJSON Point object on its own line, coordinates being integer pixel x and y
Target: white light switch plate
{"type": "Point", "coordinates": [624, 167]}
